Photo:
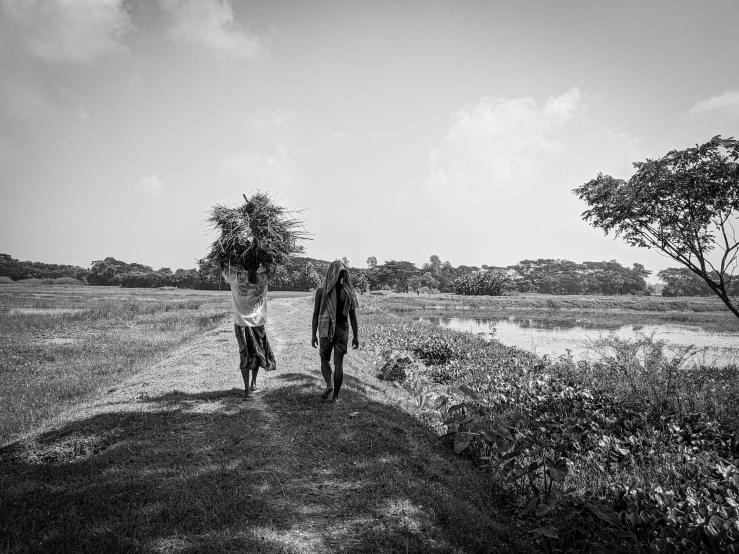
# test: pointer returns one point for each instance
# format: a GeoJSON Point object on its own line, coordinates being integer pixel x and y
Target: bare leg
{"type": "Point", "coordinates": [326, 372]}
{"type": "Point", "coordinates": [245, 376]}
{"type": "Point", "coordinates": [242, 355]}
{"type": "Point", "coordinates": [338, 372]}
{"type": "Point", "coordinates": [254, 371]}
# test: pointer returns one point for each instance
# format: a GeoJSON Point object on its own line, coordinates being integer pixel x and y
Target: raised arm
{"type": "Point", "coordinates": [316, 311]}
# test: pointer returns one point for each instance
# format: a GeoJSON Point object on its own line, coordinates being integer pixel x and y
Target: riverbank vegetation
{"type": "Point", "coordinates": [631, 452]}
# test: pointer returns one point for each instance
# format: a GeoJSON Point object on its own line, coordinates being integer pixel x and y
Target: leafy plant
{"type": "Point", "coordinates": [593, 467]}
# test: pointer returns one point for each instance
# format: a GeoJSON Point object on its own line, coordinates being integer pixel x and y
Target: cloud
{"type": "Point", "coordinates": [265, 120]}
{"type": "Point", "coordinates": [151, 185]}
{"type": "Point", "coordinates": [497, 142]}
{"type": "Point", "coordinates": [259, 169]}
{"type": "Point", "coordinates": [728, 99]}
{"type": "Point", "coordinates": [211, 23]}
{"type": "Point", "coordinates": [69, 30]}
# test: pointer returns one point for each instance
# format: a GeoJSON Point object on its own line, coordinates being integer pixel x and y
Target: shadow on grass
{"type": "Point", "coordinates": [210, 472]}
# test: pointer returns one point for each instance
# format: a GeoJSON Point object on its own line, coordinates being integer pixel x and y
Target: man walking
{"type": "Point", "coordinates": [333, 311]}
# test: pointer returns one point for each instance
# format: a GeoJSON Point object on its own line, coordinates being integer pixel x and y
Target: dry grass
{"type": "Point", "coordinates": [61, 344]}
{"type": "Point", "coordinates": [257, 232]}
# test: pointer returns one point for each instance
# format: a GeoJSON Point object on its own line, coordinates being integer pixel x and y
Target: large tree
{"type": "Point", "coordinates": [685, 204]}
{"type": "Point", "coordinates": [680, 281]}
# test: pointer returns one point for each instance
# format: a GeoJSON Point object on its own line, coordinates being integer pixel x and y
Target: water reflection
{"type": "Point", "coordinates": [553, 333]}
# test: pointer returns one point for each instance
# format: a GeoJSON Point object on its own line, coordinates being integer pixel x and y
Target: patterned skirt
{"type": "Point", "coordinates": [254, 348]}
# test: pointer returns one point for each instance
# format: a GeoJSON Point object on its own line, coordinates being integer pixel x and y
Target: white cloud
{"type": "Point", "coordinates": [728, 99]}
{"type": "Point", "coordinates": [151, 185]}
{"type": "Point", "coordinates": [497, 142]}
{"type": "Point", "coordinates": [259, 169]}
{"type": "Point", "coordinates": [69, 30]}
{"type": "Point", "coordinates": [265, 120]}
{"type": "Point", "coordinates": [211, 23]}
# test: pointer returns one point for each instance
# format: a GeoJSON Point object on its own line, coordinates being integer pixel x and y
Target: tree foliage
{"type": "Point", "coordinates": [680, 281]}
{"type": "Point", "coordinates": [17, 270]}
{"type": "Point", "coordinates": [477, 283]}
{"type": "Point", "coordinates": [554, 276]}
{"type": "Point", "coordinates": [685, 204]}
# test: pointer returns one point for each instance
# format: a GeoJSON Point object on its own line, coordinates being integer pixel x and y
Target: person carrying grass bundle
{"type": "Point", "coordinates": [334, 309]}
{"type": "Point", "coordinates": [249, 309]}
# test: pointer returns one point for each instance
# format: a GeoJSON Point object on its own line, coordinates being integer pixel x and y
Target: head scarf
{"type": "Point", "coordinates": [327, 311]}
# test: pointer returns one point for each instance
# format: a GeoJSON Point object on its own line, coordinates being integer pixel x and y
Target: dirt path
{"type": "Point", "coordinates": [174, 460]}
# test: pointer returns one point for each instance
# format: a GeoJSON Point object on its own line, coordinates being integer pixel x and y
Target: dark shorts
{"type": "Point", "coordinates": [254, 348]}
{"type": "Point", "coordinates": [340, 341]}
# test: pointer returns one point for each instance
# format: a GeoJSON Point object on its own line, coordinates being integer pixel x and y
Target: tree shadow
{"type": "Point", "coordinates": [209, 472]}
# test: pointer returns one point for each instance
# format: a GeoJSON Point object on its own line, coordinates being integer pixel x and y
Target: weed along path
{"type": "Point", "coordinates": [173, 460]}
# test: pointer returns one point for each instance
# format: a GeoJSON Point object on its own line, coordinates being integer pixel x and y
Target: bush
{"type": "Point", "coordinates": [601, 456]}
{"type": "Point", "coordinates": [642, 372]}
{"type": "Point", "coordinates": [49, 281]}
{"type": "Point", "coordinates": [67, 281]}
{"type": "Point", "coordinates": [489, 283]}
{"type": "Point", "coordinates": [6, 280]}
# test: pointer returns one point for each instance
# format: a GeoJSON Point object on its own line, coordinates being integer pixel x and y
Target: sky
{"type": "Point", "coordinates": [402, 129]}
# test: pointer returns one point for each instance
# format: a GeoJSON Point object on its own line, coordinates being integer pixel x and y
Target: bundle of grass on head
{"type": "Point", "coordinates": [257, 232]}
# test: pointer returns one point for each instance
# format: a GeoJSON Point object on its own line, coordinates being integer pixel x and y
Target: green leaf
{"type": "Point", "coordinates": [604, 512]}
{"type": "Point", "coordinates": [542, 510]}
{"type": "Point", "coordinates": [550, 532]}
{"type": "Point", "coordinates": [622, 534]}
{"type": "Point", "coordinates": [469, 392]}
{"type": "Point", "coordinates": [530, 507]}
{"type": "Point", "coordinates": [461, 442]}
{"type": "Point", "coordinates": [559, 470]}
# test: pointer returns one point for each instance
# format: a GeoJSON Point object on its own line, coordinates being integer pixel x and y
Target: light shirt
{"type": "Point", "coordinates": [248, 300]}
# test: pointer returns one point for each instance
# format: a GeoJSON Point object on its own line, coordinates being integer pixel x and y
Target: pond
{"type": "Point", "coordinates": [553, 333]}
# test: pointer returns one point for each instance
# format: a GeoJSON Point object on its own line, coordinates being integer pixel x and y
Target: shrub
{"type": "Point", "coordinates": [601, 456]}
{"type": "Point", "coordinates": [35, 281]}
{"type": "Point", "coordinates": [490, 283]}
{"type": "Point", "coordinates": [67, 281]}
{"type": "Point", "coordinates": [6, 280]}
{"type": "Point", "coordinates": [642, 371]}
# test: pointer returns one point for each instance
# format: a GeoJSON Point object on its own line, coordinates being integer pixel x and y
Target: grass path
{"type": "Point", "coordinates": [174, 460]}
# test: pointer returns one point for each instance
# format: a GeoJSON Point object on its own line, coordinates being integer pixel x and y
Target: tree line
{"type": "Point", "coordinates": [551, 276]}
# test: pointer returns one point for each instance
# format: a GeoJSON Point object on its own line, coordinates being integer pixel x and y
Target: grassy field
{"type": "Point", "coordinates": [175, 461]}
{"type": "Point", "coordinates": [553, 455]}
{"type": "Point", "coordinates": [59, 344]}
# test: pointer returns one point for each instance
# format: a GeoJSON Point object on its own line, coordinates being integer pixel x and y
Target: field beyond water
{"type": "Point", "coordinates": [677, 308]}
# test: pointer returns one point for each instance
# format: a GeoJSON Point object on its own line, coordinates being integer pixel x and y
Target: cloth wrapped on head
{"type": "Point", "coordinates": [327, 312]}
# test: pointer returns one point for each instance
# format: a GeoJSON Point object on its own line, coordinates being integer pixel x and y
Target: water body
{"type": "Point", "coordinates": [554, 333]}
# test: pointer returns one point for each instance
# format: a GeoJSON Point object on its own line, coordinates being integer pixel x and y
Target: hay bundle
{"type": "Point", "coordinates": [257, 232]}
